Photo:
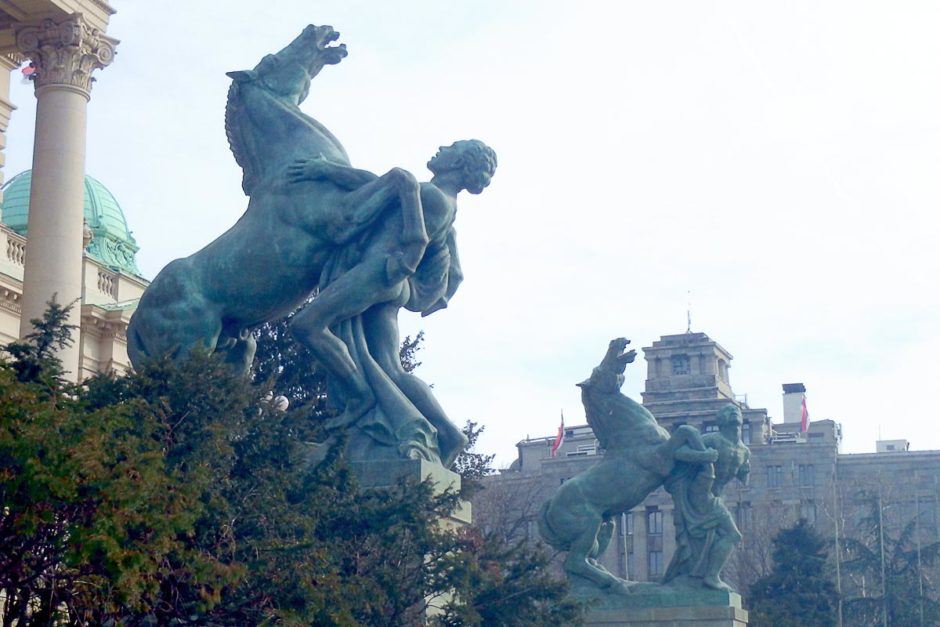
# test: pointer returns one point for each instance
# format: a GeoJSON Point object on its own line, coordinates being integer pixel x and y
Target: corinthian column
{"type": "Point", "coordinates": [65, 53]}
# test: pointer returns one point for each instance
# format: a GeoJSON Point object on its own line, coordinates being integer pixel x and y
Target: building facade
{"type": "Point", "coordinates": [793, 474]}
{"type": "Point", "coordinates": [64, 42]}
{"type": "Point", "coordinates": [111, 283]}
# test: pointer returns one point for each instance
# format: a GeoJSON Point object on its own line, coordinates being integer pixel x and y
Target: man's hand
{"type": "Point", "coordinates": [308, 169]}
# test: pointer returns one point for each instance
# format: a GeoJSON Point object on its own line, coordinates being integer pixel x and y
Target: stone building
{"type": "Point", "coordinates": [64, 42]}
{"type": "Point", "coordinates": [793, 474]}
{"type": "Point", "coordinates": [111, 282]}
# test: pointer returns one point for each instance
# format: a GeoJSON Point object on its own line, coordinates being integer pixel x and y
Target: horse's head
{"type": "Point", "coordinates": [287, 74]}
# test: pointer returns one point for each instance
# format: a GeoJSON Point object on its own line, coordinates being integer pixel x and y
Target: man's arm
{"type": "Point", "coordinates": [319, 168]}
{"type": "Point", "coordinates": [745, 470]}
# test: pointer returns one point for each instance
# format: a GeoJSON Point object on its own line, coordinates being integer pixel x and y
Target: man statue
{"type": "Point", "coordinates": [352, 324]}
{"type": "Point", "coordinates": [705, 530]}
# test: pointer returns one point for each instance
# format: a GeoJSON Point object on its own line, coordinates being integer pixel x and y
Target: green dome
{"type": "Point", "coordinates": [112, 243]}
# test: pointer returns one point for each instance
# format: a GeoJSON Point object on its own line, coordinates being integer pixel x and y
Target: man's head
{"type": "Point", "coordinates": [729, 416]}
{"type": "Point", "coordinates": [471, 158]}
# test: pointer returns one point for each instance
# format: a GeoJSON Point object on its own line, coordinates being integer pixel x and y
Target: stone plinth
{"type": "Point", "coordinates": [386, 473]}
{"type": "Point", "coordinates": [697, 616]}
{"type": "Point", "coordinates": [654, 605]}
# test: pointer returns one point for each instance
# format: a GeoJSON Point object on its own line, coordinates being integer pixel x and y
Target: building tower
{"type": "Point", "coordinates": [687, 382]}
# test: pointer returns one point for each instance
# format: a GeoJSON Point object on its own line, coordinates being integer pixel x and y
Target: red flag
{"type": "Point", "coordinates": [804, 418]}
{"type": "Point", "coordinates": [560, 438]}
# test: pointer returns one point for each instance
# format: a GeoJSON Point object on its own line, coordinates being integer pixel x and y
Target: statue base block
{"type": "Point", "coordinates": [384, 473]}
{"type": "Point", "coordinates": [655, 605]}
{"type": "Point", "coordinates": [692, 616]}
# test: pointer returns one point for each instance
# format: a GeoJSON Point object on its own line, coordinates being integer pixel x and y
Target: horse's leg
{"type": "Point", "coordinates": [604, 534]}
{"type": "Point", "coordinates": [361, 207]}
{"type": "Point", "coordinates": [580, 561]}
{"type": "Point", "coordinates": [239, 350]}
{"type": "Point", "coordinates": [352, 293]}
{"type": "Point", "coordinates": [686, 445]}
{"type": "Point", "coordinates": [173, 317]}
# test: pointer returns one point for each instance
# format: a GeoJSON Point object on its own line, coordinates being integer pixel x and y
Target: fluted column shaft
{"type": "Point", "coordinates": [65, 54]}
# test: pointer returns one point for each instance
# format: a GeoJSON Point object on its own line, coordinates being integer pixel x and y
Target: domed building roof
{"type": "Point", "coordinates": [112, 243]}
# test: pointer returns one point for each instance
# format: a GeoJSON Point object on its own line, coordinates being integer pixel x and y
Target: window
{"type": "Point", "coordinates": [627, 568]}
{"type": "Point", "coordinates": [745, 516]}
{"type": "Point", "coordinates": [590, 449]}
{"type": "Point", "coordinates": [680, 364]}
{"type": "Point", "coordinates": [709, 427]}
{"type": "Point", "coordinates": [654, 541]}
{"type": "Point", "coordinates": [807, 474]}
{"type": "Point", "coordinates": [774, 476]}
{"type": "Point", "coordinates": [746, 433]}
{"type": "Point", "coordinates": [655, 564]}
{"type": "Point", "coordinates": [626, 524]}
{"type": "Point", "coordinates": [808, 512]}
{"type": "Point", "coordinates": [654, 521]}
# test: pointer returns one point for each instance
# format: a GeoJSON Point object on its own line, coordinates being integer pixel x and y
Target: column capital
{"type": "Point", "coordinates": [66, 52]}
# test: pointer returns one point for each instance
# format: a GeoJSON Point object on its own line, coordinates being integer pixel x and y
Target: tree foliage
{"type": "Point", "coordinates": [797, 592]}
{"type": "Point", "coordinates": [471, 465]}
{"type": "Point", "coordinates": [180, 495]}
{"type": "Point", "coordinates": [906, 593]}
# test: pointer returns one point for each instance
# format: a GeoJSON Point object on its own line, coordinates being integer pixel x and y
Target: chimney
{"type": "Point", "coordinates": [793, 395]}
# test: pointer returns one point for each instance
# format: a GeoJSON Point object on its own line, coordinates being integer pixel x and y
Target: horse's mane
{"type": "Point", "coordinates": [239, 141]}
{"type": "Point", "coordinates": [243, 143]}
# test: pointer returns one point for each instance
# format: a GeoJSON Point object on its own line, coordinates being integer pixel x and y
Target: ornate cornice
{"type": "Point", "coordinates": [65, 53]}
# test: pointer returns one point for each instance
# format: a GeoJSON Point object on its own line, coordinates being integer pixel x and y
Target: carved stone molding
{"type": "Point", "coordinates": [65, 53]}
{"type": "Point", "coordinates": [10, 301]}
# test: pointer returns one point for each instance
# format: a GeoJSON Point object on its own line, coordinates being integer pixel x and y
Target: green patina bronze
{"type": "Point", "coordinates": [640, 456]}
{"type": "Point", "coordinates": [369, 245]}
{"type": "Point", "coordinates": [112, 243]}
{"type": "Point", "coordinates": [706, 533]}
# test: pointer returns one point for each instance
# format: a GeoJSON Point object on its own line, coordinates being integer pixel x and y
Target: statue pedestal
{"type": "Point", "coordinates": [385, 473]}
{"type": "Point", "coordinates": [659, 606]}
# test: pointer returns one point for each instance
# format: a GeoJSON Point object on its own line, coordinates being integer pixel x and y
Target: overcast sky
{"type": "Point", "coordinates": [774, 164]}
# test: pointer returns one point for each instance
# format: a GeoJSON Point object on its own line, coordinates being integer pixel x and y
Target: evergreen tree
{"type": "Point", "coordinates": [797, 592]}
{"type": "Point", "coordinates": [34, 357]}
{"type": "Point", "coordinates": [177, 495]}
{"type": "Point", "coordinates": [471, 465]}
{"type": "Point", "coordinates": [506, 583]}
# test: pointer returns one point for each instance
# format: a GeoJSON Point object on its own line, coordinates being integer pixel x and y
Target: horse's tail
{"type": "Point", "coordinates": [548, 533]}
{"type": "Point", "coordinates": [239, 141]}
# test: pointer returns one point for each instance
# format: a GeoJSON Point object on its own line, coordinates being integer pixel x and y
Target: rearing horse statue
{"type": "Point", "coordinates": [371, 245]}
{"type": "Point", "coordinates": [265, 266]}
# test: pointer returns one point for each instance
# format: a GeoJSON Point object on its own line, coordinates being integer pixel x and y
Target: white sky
{"type": "Point", "coordinates": [778, 160]}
